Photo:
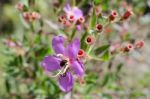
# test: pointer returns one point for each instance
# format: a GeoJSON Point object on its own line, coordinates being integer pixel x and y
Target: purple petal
{"type": "Point", "coordinates": [58, 44]}
{"type": "Point", "coordinates": [78, 27]}
{"type": "Point", "coordinates": [73, 48]}
{"type": "Point", "coordinates": [51, 63]}
{"type": "Point", "coordinates": [67, 8]}
{"type": "Point", "coordinates": [66, 82]}
{"type": "Point", "coordinates": [77, 13]}
{"type": "Point", "coordinates": [77, 68]}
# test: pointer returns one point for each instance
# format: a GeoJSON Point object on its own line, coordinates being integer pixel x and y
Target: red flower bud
{"type": "Point", "coordinates": [99, 27]}
{"type": "Point", "coordinates": [127, 14]}
{"type": "Point", "coordinates": [113, 16]}
{"type": "Point", "coordinates": [90, 40]}
{"type": "Point", "coordinates": [71, 18]}
{"type": "Point", "coordinates": [81, 53]}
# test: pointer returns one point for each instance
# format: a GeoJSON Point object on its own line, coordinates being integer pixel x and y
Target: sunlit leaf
{"type": "Point", "coordinates": [105, 56]}
{"type": "Point", "coordinates": [93, 20]}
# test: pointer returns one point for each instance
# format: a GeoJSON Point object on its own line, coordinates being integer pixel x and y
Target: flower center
{"type": "Point", "coordinates": [63, 63]}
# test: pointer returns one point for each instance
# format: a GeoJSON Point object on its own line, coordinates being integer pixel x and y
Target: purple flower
{"type": "Point", "coordinates": [76, 12]}
{"type": "Point", "coordinates": [65, 61]}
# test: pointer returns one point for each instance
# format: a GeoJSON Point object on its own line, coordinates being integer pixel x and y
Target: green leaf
{"type": "Point", "coordinates": [106, 79]}
{"type": "Point", "coordinates": [101, 49]}
{"type": "Point", "coordinates": [83, 44]}
{"type": "Point", "coordinates": [7, 85]}
{"type": "Point", "coordinates": [105, 56]}
{"type": "Point", "coordinates": [91, 78]}
{"type": "Point", "coordinates": [93, 20]}
{"type": "Point", "coordinates": [119, 67]}
{"type": "Point", "coordinates": [97, 2]}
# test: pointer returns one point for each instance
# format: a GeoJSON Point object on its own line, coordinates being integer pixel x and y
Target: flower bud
{"type": "Point", "coordinates": [80, 20]}
{"type": "Point", "coordinates": [20, 7]}
{"type": "Point", "coordinates": [66, 23]}
{"type": "Point", "coordinates": [127, 14]}
{"type": "Point", "coordinates": [139, 44]}
{"type": "Point", "coordinates": [113, 15]}
{"type": "Point", "coordinates": [90, 40]}
{"type": "Point", "coordinates": [35, 16]}
{"type": "Point", "coordinates": [99, 27]}
{"type": "Point", "coordinates": [71, 18]}
{"type": "Point", "coordinates": [62, 18]}
{"type": "Point", "coordinates": [27, 16]}
{"type": "Point", "coordinates": [81, 53]}
{"type": "Point", "coordinates": [127, 48]}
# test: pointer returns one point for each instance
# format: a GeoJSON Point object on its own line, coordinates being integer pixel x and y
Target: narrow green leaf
{"type": "Point", "coordinates": [7, 85]}
{"type": "Point", "coordinates": [105, 56]}
{"type": "Point", "coordinates": [73, 33]}
{"type": "Point", "coordinates": [83, 44]}
{"type": "Point", "coordinates": [93, 20]}
{"type": "Point", "coordinates": [119, 67]}
{"type": "Point", "coordinates": [101, 49]}
{"type": "Point", "coordinates": [105, 80]}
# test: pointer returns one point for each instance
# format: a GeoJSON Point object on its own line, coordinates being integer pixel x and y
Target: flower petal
{"type": "Point", "coordinates": [51, 63]}
{"type": "Point", "coordinates": [78, 27]}
{"type": "Point", "coordinates": [73, 48]}
{"type": "Point", "coordinates": [67, 8]}
{"type": "Point", "coordinates": [77, 68]}
{"type": "Point", "coordinates": [77, 13]}
{"type": "Point", "coordinates": [58, 44]}
{"type": "Point", "coordinates": [66, 82]}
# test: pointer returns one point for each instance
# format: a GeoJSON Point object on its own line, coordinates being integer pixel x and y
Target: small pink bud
{"type": "Point", "coordinates": [113, 15]}
{"type": "Point", "coordinates": [130, 46]}
{"type": "Point", "coordinates": [127, 48]}
{"type": "Point", "coordinates": [66, 23]}
{"type": "Point", "coordinates": [81, 53]}
{"type": "Point", "coordinates": [99, 27]}
{"type": "Point", "coordinates": [27, 16]}
{"type": "Point", "coordinates": [20, 6]}
{"type": "Point", "coordinates": [90, 40]}
{"type": "Point", "coordinates": [139, 44]}
{"type": "Point", "coordinates": [35, 16]}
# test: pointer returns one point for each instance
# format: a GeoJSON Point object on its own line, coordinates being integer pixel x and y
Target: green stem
{"type": "Point", "coordinates": [32, 27]}
{"type": "Point", "coordinates": [73, 34]}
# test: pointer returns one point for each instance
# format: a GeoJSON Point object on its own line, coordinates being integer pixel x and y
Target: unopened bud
{"type": "Point", "coordinates": [99, 27]}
